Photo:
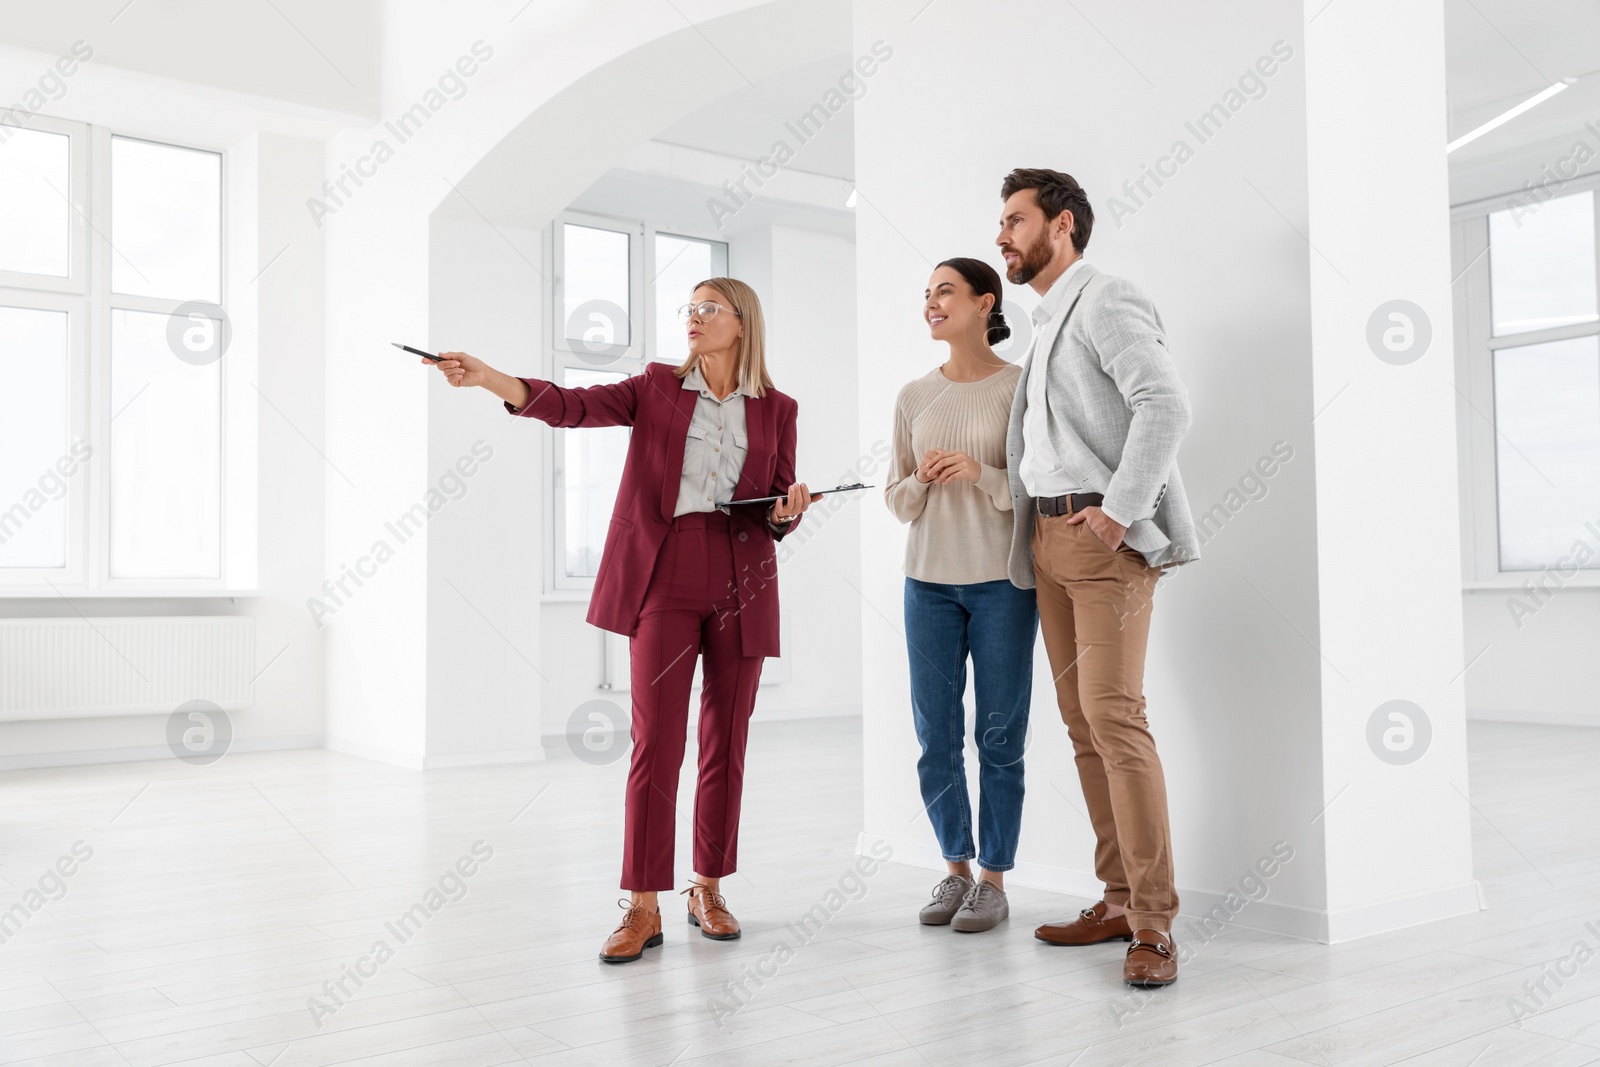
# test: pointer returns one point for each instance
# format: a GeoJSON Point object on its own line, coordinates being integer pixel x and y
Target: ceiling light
{"type": "Point", "coordinates": [1500, 120]}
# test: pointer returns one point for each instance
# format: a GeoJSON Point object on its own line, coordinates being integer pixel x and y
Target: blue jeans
{"type": "Point", "coordinates": [995, 622]}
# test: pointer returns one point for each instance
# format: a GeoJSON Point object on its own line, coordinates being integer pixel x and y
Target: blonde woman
{"type": "Point", "coordinates": [681, 574]}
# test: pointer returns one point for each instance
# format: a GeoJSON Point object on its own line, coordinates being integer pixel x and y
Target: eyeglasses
{"type": "Point", "coordinates": [704, 312]}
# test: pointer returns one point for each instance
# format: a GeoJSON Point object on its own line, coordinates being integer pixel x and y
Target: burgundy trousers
{"type": "Point", "coordinates": [691, 609]}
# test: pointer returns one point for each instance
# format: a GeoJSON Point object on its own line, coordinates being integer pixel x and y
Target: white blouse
{"type": "Point", "coordinates": [713, 455]}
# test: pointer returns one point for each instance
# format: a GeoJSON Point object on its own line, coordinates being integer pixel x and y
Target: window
{"type": "Point", "coordinates": [597, 286]}
{"type": "Point", "coordinates": [164, 457]}
{"type": "Point", "coordinates": [614, 291]}
{"type": "Point", "coordinates": [680, 263]}
{"type": "Point", "coordinates": [36, 182]}
{"type": "Point", "coordinates": [1547, 412]}
{"type": "Point", "coordinates": [111, 311]}
{"type": "Point", "coordinates": [1541, 266]}
{"type": "Point", "coordinates": [37, 411]}
{"type": "Point", "coordinates": [1528, 367]}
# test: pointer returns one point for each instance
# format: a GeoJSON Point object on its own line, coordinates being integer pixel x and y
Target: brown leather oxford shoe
{"type": "Point", "coordinates": [640, 930]}
{"type": "Point", "coordinates": [1152, 960]}
{"type": "Point", "coordinates": [1091, 927]}
{"type": "Point", "coordinates": [709, 912]}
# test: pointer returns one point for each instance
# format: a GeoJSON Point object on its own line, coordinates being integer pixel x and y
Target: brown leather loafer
{"type": "Point", "coordinates": [640, 930]}
{"type": "Point", "coordinates": [1091, 927]}
{"type": "Point", "coordinates": [1152, 961]}
{"type": "Point", "coordinates": [709, 912]}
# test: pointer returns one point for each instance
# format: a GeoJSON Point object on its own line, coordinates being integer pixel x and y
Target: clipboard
{"type": "Point", "coordinates": [815, 496]}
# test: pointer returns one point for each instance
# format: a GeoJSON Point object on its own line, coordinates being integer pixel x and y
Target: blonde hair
{"type": "Point", "coordinates": [752, 358]}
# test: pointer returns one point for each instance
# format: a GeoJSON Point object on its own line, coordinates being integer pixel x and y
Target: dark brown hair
{"type": "Point", "coordinates": [1057, 192]}
{"type": "Point", "coordinates": [985, 281]}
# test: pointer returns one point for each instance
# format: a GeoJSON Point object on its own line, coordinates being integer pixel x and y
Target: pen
{"type": "Point", "coordinates": [417, 351]}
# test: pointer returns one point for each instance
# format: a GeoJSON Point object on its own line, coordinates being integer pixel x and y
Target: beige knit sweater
{"type": "Point", "coordinates": [960, 531]}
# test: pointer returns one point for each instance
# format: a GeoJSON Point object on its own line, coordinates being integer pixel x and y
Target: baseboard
{"type": "Point", "coordinates": [484, 759]}
{"type": "Point", "coordinates": [1266, 915]}
{"type": "Point", "coordinates": [422, 762]}
{"type": "Point", "coordinates": [843, 711]}
{"type": "Point", "coordinates": [1384, 916]}
{"type": "Point", "coordinates": [142, 753]}
{"type": "Point", "coordinates": [361, 750]}
{"type": "Point", "coordinates": [558, 738]}
{"type": "Point", "coordinates": [1535, 718]}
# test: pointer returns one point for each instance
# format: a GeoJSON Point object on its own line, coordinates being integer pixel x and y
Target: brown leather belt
{"type": "Point", "coordinates": [1066, 505]}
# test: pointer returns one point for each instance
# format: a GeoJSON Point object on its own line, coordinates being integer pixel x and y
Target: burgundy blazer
{"type": "Point", "coordinates": [659, 408]}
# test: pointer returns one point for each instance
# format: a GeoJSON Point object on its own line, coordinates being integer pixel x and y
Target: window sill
{"type": "Point", "coordinates": [45, 592]}
{"type": "Point", "coordinates": [1587, 579]}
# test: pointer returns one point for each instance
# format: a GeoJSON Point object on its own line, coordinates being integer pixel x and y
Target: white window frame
{"type": "Point", "coordinates": [78, 487]}
{"type": "Point", "coordinates": [87, 298]}
{"type": "Point", "coordinates": [78, 149]}
{"type": "Point", "coordinates": [559, 356]}
{"type": "Point", "coordinates": [1476, 345]}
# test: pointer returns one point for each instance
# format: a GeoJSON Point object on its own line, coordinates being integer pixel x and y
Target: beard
{"type": "Point", "coordinates": [1034, 258]}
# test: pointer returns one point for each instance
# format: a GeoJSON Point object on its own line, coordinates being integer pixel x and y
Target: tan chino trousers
{"type": "Point", "coordinates": [1094, 612]}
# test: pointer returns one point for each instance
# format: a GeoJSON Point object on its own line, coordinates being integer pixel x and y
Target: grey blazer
{"type": "Point", "coordinates": [1116, 412]}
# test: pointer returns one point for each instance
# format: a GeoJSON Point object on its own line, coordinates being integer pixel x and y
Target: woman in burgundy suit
{"type": "Point", "coordinates": [681, 575]}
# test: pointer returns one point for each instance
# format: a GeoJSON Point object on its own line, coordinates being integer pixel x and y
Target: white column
{"type": "Point", "coordinates": [377, 446]}
{"type": "Point", "coordinates": [1388, 533]}
{"type": "Point", "coordinates": [486, 544]}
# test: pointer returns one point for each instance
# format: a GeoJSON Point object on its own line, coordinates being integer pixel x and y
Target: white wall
{"type": "Point", "coordinates": [291, 473]}
{"type": "Point", "coordinates": [486, 684]}
{"type": "Point", "coordinates": [1541, 671]}
{"type": "Point", "coordinates": [1238, 694]}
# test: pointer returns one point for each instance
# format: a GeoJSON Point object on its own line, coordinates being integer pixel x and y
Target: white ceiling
{"type": "Point", "coordinates": [325, 55]}
{"type": "Point", "coordinates": [314, 53]}
{"type": "Point", "coordinates": [1500, 52]}
{"type": "Point", "coordinates": [747, 122]}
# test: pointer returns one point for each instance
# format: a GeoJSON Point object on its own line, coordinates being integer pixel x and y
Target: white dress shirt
{"type": "Point", "coordinates": [1041, 470]}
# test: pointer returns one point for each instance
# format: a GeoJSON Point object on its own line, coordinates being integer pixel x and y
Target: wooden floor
{"type": "Point", "coordinates": [207, 907]}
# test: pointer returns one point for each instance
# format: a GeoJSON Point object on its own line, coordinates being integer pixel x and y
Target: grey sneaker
{"type": "Point", "coordinates": [947, 898]}
{"type": "Point", "coordinates": [982, 908]}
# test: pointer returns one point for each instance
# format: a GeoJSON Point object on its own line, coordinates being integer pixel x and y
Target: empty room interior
{"type": "Point", "coordinates": [755, 532]}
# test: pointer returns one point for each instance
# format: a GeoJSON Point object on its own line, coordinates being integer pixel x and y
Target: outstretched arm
{"type": "Point", "coordinates": [594, 405]}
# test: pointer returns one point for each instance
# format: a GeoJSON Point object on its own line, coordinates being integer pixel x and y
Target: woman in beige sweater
{"type": "Point", "coordinates": [948, 480]}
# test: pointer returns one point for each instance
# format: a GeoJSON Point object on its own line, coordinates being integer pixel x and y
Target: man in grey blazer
{"type": "Point", "coordinates": [1099, 510]}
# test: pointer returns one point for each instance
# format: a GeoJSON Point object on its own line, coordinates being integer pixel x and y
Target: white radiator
{"type": "Point", "coordinates": [74, 668]}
